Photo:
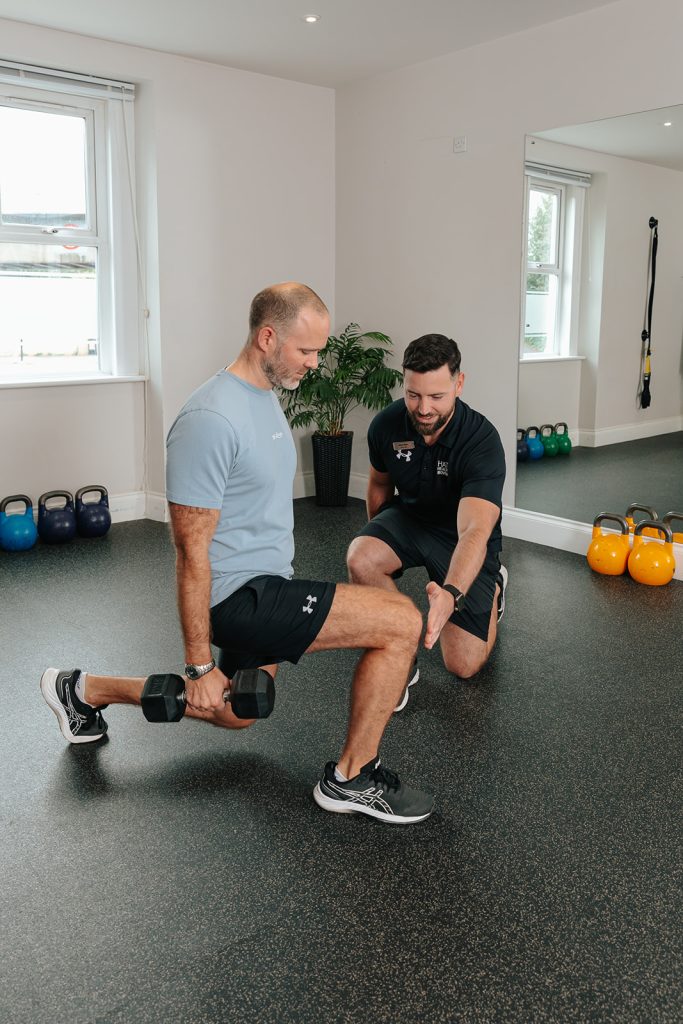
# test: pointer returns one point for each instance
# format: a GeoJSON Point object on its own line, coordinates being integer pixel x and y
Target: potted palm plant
{"type": "Point", "coordinates": [350, 373]}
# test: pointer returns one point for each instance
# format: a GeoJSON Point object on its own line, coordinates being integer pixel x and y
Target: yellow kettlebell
{"type": "Point", "coordinates": [650, 513]}
{"type": "Point", "coordinates": [677, 537]}
{"type": "Point", "coordinates": [651, 562]}
{"type": "Point", "coordinates": [608, 552]}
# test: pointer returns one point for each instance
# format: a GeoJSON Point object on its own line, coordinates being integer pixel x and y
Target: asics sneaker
{"type": "Point", "coordinates": [79, 722]}
{"type": "Point", "coordinates": [375, 791]}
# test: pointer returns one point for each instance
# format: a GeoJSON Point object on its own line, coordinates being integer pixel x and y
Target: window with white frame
{"type": "Point", "coordinates": [554, 213]}
{"type": "Point", "coordinates": [68, 266]}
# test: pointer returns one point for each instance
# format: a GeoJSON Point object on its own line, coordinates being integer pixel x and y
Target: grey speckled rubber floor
{"type": "Point", "coordinates": [184, 875]}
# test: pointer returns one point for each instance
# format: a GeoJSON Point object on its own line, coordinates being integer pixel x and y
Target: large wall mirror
{"type": "Point", "coordinates": [591, 190]}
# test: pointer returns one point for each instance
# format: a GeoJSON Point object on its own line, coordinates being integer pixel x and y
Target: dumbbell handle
{"type": "Point", "coordinates": [183, 696]}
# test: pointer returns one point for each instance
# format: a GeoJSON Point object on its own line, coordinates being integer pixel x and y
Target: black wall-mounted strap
{"type": "Point", "coordinates": [646, 334]}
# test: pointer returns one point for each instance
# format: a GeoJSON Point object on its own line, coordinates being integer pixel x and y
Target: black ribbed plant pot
{"type": "Point", "coordinates": [332, 467]}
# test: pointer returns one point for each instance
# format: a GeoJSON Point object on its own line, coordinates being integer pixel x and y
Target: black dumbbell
{"type": "Point", "coordinates": [251, 694]}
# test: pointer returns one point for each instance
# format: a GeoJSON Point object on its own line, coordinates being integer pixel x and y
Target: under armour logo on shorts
{"type": "Point", "coordinates": [309, 607]}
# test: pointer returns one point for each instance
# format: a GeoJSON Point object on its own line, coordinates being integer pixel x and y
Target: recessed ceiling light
{"type": "Point", "coordinates": [311, 19]}
{"type": "Point", "coordinates": [667, 124]}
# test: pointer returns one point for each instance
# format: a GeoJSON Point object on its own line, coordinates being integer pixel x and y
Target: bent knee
{"type": "Point", "coordinates": [364, 560]}
{"type": "Point", "coordinates": [406, 620]}
{"type": "Point", "coordinates": [464, 666]}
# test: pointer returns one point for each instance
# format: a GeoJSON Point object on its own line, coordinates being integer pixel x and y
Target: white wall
{"type": "Point", "coordinates": [426, 237]}
{"type": "Point", "coordinates": [624, 196]}
{"type": "Point", "coordinates": [549, 393]}
{"type": "Point", "coordinates": [235, 178]}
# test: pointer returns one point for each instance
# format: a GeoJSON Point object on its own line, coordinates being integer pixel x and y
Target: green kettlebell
{"type": "Point", "coordinates": [549, 440]}
{"type": "Point", "coordinates": [564, 441]}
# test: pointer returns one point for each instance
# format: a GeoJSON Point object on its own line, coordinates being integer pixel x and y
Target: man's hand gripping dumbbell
{"type": "Point", "coordinates": [251, 695]}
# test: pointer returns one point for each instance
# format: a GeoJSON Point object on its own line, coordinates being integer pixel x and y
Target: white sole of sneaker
{"type": "Point", "coordinates": [48, 689]}
{"type": "Point", "coordinates": [504, 576]}
{"type": "Point", "coordinates": [404, 699]}
{"type": "Point", "coordinates": [342, 807]}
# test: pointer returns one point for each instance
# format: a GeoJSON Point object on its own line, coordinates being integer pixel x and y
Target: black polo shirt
{"type": "Point", "coordinates": [467, 461]}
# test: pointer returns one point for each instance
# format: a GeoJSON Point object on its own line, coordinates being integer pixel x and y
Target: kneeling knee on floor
{"type": "Point", "coordinates": [464, 667]}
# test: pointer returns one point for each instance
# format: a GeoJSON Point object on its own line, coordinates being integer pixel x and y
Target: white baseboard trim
{"type": "Point", "coordinates": [126, 508]}
{"type": "Point", "coordinates": [629, 432]}
{"type": "Point", "coordinates": [565, 534]}
{"type": "Point", "coordinates": [156, 507]}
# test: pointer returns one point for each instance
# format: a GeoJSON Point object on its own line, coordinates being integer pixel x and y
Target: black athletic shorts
{"type": "Point", "coordinates": [269, 620]}
{"type": "Point", "coordinates": [431, 547]}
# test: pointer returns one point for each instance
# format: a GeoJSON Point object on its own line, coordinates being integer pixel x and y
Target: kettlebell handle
{"type": "Point", "coordinates": [612, 517]}
{"type": "Point", "coordinates": [667, 519]}
{"type": "Point", "coordinates": [543, 427]}
{"type": "Point", "coordinates": [16, 497]}
{"type": "Point", "coordinates": [100, 488]}
{"type": "Point", "coordinates": [529, 429]}
{"type": "Point", "coordinates": [655, 524]}
{"type": "Point", "coordinates": [561, 424]}
{"type": "Point", "coordinates": [640, 508]}
{"type": "Point", "coordinates": [55, 494]}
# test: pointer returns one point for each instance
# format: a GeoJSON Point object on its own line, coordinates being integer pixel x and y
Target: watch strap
{"type": "Point", "coordinates": [458, 596]}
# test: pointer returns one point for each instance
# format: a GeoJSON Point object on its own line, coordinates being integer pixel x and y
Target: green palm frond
{"type": "Point", "coordinates": [350, 374]}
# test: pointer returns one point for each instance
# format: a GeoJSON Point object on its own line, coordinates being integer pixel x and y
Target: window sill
{"type": "Point", "coordinates": [525, 360]}
{"type": "Point", "coordinates": [60, 382]}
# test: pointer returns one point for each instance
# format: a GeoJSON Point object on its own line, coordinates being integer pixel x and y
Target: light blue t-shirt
{"type": "Point", "coordinates": [231, 448]}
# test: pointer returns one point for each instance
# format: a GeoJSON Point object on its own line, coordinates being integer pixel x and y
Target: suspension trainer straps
{"type": "Point", "coordinates": [646, 335]}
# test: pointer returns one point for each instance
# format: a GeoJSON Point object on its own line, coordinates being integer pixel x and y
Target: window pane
{"type": "Point", "coordinates": [543, 225]}
{"type": "Point", "coordinates": [48, 298]}
{"type": "Point", "coordinates": [540, 316]}
{"type": "Point", "coordinates": [42, 168]}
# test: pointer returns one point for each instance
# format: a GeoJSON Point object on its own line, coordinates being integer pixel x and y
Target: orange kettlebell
{"type": "Point", "coordinates": [608, 552]}
{"type": "Point", "coordinates": [649, 514]}
{"type": "Point", "coordinates": [677, 537]}
{"type": "Point", "coordinates": [651, 562]}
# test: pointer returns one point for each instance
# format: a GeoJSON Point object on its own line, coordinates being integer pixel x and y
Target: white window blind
{"type": "Point", "coordinates": [563, 175]}
{"type": "Point", "coordinates": [75, 83]}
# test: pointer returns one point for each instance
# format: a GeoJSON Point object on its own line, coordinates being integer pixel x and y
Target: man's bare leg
{"type": "Point", "coordinates": [464, 654]}
{"type": "Point", "coordinates": [371, 562]}
{"type": "Point", "coordinates": [388, 626]}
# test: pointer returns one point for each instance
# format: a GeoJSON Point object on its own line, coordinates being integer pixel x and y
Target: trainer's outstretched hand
{"type": "Point", "coordinates": [440, 610]}
{"type": "Point", "coordinates": [206, 694]}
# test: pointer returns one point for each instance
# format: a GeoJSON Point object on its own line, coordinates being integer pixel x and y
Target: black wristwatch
{"type": "Point", "coordinates": [458, 596]}
{"type": "Point", "coordinates": [197, 671]}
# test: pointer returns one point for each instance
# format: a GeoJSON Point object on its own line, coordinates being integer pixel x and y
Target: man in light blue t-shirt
{"type": "Point", "coordinates": [230, 468]}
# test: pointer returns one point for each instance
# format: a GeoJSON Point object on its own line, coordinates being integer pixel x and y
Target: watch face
{"type": "Point", "coordinates": [191, 672]}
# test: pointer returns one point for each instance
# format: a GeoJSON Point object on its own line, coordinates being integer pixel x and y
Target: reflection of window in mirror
{"type": "Point", "coordinates": [554, 215]}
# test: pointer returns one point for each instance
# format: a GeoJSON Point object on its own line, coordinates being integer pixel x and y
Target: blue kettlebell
{"type": "Point", "coordinates": [534, 443]}
{"type": "Point", "coordinates": [18, 530]}
{"type": "Point", "coordinates": [56, 525]}
{"type": "Point", "coordinates": [522, 446]}
{"type": "Point", "coordinates": [93, 518]}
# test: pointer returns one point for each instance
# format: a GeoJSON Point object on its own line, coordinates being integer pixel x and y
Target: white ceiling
{"type": "Point", "coordinates": [642, 136]}
{"type": "Point", "coordinates": [354, 38]}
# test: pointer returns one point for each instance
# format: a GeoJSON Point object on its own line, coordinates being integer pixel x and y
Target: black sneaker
{"type": "Point", "coordinates": [412, 679]}
{"type": "Point", "coordinates": [375, 791]}
{"type": "Point", "coordinates": [79, 722]}
{"type": "Point", "coordinates": [502, 581]}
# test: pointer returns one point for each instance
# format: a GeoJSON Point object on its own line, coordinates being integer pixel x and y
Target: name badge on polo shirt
{"type": "Point", "coordinates": [403, 449]}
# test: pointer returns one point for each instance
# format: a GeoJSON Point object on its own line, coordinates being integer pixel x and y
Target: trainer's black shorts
{"type": "Point", "coordinates": [269, 620]}
{"type": "Point", "coordinates": [431, 547]}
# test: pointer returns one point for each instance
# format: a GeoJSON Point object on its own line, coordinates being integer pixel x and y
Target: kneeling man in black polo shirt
{"type": "Point", "coordinates": [434, 500]}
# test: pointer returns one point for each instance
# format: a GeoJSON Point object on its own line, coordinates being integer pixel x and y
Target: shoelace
{"type": "Point", "coordinates": [382, 776]}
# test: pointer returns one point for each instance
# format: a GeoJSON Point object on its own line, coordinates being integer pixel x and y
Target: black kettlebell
{"type": "Point", "coordinates": [93, 518]}
{"type": "Point", "coordinates": [56, 525]}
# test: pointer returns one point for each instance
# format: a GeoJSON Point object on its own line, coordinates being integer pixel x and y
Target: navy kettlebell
{"type": "Point", "coordinates": [93, 518]}
{"type": "Point", "coordinates": [56, 525]}
{"type": "Point", "coordinates": [18, 530]}
{"type": "Point", "coordinates": [522, 446]}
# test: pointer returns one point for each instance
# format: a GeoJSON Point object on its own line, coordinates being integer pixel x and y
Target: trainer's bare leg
{"type": "Point", "coordinates": [388, 626]}
{"type": "Point", "coordinates": [371, 562]}
{"type": "Point", "coordinates": [464, 654]}
{"type": "Point", "coordinates": [128, 690]}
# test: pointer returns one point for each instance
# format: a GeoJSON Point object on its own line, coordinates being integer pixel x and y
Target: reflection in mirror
{"type": "Point", "coordinates": [591, 191]}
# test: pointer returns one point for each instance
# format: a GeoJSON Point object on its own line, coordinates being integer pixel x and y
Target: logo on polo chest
{"type": "Point", "coordinates": [403, 449]}
{"type": "Point", "coordinates": [441, 468]}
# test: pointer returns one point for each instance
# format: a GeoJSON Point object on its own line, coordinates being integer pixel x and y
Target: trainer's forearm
{"type": "Point", "coordinates": [467, 560]}
{"type": "Point", "coordinates": [376, 496]}
{"type": "Point", "coordinates": [193, 579]}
